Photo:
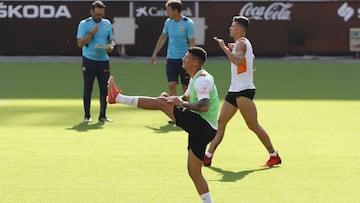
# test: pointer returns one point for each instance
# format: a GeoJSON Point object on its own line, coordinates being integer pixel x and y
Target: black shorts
{"type": "Point", "coordinates": [199, 130]}
{"type": "Point", "coordinates": [174, 70]}
{"type": "Point", "coordinates": [231, 96]}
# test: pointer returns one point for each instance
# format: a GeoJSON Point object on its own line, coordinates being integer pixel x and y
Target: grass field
{"type": "Point", "coordinates": [47, 154]}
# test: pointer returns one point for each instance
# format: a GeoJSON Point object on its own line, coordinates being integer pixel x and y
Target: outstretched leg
{"type": "Point", "coordinates": [249, 113]}
{"type": "Point", "coordinates": [143, 102]}
{"type": "Point", "coordinates": [248, 110]}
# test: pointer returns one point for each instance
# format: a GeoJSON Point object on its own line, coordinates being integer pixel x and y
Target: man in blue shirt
{"type": "Point", "coordinates": [96, 39]}
{"type": "Point", "coordinates": [180, 31]}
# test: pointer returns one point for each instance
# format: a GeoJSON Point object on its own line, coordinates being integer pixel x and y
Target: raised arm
{"type": "Point", "coordinates": [236, 58]}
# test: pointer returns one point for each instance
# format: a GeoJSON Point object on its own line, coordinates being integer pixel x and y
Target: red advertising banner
{"type": "Point", "coordinates": [277, 28]}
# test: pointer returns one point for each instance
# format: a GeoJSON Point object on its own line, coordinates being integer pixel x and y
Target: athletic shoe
{"type": "Point", "coordinates": [171, 122]}
{"type": "Point", "coordinates": [87, 120]}
{"type": "Point", "coordinates": [207, 160]}
{"type": "Point", "coordinates": [104, 119]}
{"type": "Point", "coordinates": [273, 160]}
{"type": "Point", "coordinates": [113, 91]}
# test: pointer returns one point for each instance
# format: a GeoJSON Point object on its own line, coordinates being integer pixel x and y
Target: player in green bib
{"type": "Point", "coordinates": [206, 79]}
{"type": "Point", "coordinates": [195, 112]}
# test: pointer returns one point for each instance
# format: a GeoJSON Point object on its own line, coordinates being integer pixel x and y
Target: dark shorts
{"type": "Point", "coordinates": [231, 96]}
{"type": "Point", "coordinates": [174, 70]}
{"type": "Point", "coordinates": [199, 130]}
{"type": "Point", "coordinates": [96, 66]}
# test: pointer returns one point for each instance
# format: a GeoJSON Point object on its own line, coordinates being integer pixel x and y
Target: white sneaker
{"type": "Point", "coordinates": [87, 120]}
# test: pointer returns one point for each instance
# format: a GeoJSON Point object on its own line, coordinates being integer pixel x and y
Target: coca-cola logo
{"type": "Point", "coordinates": [275, 11]}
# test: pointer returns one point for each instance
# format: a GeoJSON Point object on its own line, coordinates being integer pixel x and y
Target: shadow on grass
{"type": "Point", "coordinates": [230, 176]}
{"type": "Point", "coordinates": [84, 127]}
{"type": "Point", "coordinates": [166, 128]}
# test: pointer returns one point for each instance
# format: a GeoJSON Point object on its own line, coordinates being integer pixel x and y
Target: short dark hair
{"type": "Point", "coordinates": [242, 20]}
{"type": "Point", "coordinates": [97, 4]}
{"type": "Point", "coordinates": [199, 53]}
{"type": "Point", "coordinates": [174, 4]}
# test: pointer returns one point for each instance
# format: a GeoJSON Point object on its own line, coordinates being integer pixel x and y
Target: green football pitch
{"type": "Point", "coordinates": [310, 109]}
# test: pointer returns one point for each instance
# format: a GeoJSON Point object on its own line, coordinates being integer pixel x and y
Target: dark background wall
{"type": "Point", "coordinates": [294, 27]}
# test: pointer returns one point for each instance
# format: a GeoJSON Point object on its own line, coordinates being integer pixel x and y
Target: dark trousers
{"type": "Point", "coordinates": [100, 70]}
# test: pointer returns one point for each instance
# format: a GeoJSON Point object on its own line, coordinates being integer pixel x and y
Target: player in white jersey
{"type": "Point", "coordinates": [242, 75]}
{"type": "Point", "coordinates": [241, 92]}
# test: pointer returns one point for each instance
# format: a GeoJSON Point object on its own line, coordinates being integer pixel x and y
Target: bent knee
{"type": "Point", "coordinates": [222, 123]}
{"type": "Point", "coordinates": [253, 126]}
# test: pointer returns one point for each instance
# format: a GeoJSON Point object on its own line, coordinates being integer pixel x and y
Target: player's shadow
{"type": "Point", "coordinates": [164, 129]}
{"type": "Point", "coordinates": [84, 127]}
{"type": "Point", "coordinates": [230, 176]}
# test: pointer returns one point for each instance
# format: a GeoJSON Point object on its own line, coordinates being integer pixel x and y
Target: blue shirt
{"type": "Point", "coordinates": [179, 33]}
{"type": "Point", "coordinates": [102, 36]}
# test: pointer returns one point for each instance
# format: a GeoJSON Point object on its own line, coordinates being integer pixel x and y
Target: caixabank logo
{"type": "Point", "coordinates": [346, 12]}
{"type": "Point", "coordinates": [154, 11]}
{"type": "Point", "coordinates": [32, 11]}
